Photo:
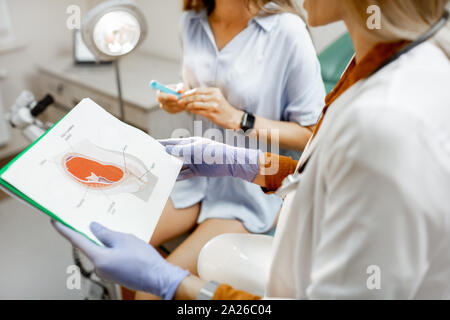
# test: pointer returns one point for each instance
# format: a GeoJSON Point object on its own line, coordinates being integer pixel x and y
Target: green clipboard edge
{"type": "Point", "coordinates": [24, 197]}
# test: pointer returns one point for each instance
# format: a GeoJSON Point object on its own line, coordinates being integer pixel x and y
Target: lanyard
{"type": "Point", "coordinates": [292, 181]}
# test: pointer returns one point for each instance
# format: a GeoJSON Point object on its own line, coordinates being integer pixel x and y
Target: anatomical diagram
{"type": "Point", "coordinates": [107, 171]}
{"type": "Point", "coordinates": [93, 173]}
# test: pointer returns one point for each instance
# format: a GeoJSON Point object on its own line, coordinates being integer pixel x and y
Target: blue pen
{"type": "Point", "coordinates": [158, 86]}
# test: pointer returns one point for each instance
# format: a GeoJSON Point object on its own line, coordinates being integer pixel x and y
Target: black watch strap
{"type": "Point", "coordinates": [248, 121]}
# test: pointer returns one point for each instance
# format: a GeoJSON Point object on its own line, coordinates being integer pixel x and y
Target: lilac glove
{"type": "Point", "coordinates": [127, 260]}
{"type": "Point", "coordinates": [207, 158]}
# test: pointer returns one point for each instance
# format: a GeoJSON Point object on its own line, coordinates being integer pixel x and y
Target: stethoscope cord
{"type": "Point", "coordinates": [427, 36]}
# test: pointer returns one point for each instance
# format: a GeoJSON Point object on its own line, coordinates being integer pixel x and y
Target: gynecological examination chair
{"type": "Point", "coordinates": [243, 260]}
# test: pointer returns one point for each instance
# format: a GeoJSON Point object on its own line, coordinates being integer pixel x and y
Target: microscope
{"type": "Point", "coordinates": [24, 112]}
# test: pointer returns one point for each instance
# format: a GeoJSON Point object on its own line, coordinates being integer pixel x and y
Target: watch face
{"type": "Point", "coordinates": [248, 121]}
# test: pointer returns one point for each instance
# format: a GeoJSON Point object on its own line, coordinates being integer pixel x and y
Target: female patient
{"type": "Point", "coordinates": [242, 56]}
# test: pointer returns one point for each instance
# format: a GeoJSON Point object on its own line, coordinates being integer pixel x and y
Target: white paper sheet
{"type": "Point", "coordinates": [93, 167]}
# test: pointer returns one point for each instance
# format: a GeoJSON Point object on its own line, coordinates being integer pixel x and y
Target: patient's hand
{"type": "Point", "coordinates": [170, 102]}
{"type": "Point", "coordinates": [211, 104]}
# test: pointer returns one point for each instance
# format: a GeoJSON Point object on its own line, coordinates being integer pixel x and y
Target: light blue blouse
{"type": "Point", "coordinates": [270, 69]}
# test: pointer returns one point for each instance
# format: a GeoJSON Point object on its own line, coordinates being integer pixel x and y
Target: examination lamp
{"type": "Point", "coordinates": [112, 30]}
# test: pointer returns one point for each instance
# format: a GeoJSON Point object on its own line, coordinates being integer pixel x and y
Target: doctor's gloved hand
{"type": "Point", "coordinates": [207, 158]}
{"type": "Point", "coordinates": [127, 260]}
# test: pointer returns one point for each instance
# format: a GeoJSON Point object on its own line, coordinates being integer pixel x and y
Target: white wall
{"type": "Point", "coordinates": [41, 27]}
{"type": "Point", "coordinates": [6, 34]}
{"type": "Point", "coordinates": [163, 18]}
{"type": "Point", "coordinates": [324, 36]}
{"type": "Point", "coordinates": [40, 31]}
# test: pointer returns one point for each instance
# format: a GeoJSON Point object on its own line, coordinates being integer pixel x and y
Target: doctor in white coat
{"type": "Point", "coordinates": [368, 214]}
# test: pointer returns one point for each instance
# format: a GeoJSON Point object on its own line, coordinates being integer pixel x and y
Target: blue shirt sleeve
{"type": "Point", "coordinates": [304, 90]}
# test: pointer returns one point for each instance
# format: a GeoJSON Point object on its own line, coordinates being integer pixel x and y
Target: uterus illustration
{"type": "Point", "coordinates": [107, 171]}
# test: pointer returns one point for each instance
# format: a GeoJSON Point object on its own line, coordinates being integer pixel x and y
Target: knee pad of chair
{"type": "Point", "coordinates": [239, 260]}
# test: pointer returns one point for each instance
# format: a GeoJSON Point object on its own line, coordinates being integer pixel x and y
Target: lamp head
{"type": "Point", "coordinates": [113, 29]}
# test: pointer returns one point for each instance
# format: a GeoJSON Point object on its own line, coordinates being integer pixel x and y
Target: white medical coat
{"type": "Point", "coordinates": [371, 216]}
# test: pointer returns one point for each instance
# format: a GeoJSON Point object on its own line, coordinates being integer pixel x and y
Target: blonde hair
{"type": "Point", "coordinates": [407, 19]}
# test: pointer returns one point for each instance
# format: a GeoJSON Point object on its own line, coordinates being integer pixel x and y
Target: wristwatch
{"type": "Point", "coordinates": [248, 121]}
{"type": "Point", "coordinates": [207, 292]}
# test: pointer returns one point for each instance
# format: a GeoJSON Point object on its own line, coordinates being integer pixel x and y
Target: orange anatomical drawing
{"type": "Point", "coordinates": [108, 171]}
{"type": "Point", "coordinates": [92, 173]}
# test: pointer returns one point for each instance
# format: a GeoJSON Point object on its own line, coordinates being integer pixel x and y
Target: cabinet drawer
{"type": "Point", "coordinates": [63, 93]}
{"type": "Point", "coordinates": [69, 95]}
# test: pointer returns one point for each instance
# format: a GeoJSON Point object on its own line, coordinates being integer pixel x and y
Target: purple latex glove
{"type": "Point", "coordinates": [127, 260]}
{"type": "Point", "coordinates": [207, 158]}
